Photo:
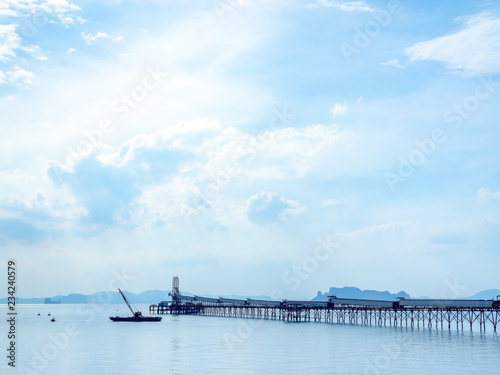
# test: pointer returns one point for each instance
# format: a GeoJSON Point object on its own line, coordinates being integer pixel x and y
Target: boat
{"type": "Point", "coordinates": [137, 315]}
{"type": "Point", "coordinates": [53, 319]}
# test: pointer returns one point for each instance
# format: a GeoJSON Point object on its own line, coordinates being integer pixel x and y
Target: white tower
{"type": "Point", "coordinates": [175, 287]}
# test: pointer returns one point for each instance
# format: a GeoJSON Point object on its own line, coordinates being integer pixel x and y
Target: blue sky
{"type": "Point", "coordinates": [251, 146]}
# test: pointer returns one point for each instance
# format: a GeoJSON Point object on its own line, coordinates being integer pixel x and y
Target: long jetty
{"type": "Point", "coordinates": [402, 313]}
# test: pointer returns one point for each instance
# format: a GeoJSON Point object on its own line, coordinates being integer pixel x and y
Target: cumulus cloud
{"type": "Point", "coordinates": [21, 77]}
{"type": "Point", "coordinates": [264, 208]}
{"type": "Point", "coordinates": [89, 38]}
{"type": "Point", "coordinates": [294, 152]}
{"type": "Point", "coordinates": [148, 177]}
{"type": "Point", "coordinates": [207, 148]}
{"type": "Point", "coordinates": [189, 137]}
{"type": "Point", "coordinates": [69, 20]}
{"type": "Point", "coordinates": [45, 11]}
{"type": "Point", "coordinates": [9, 41]}
{"type": "Point", "coordinates": [27, 7]}
{"type": "Point", "coordinates": [10, 44]}
{"type": "Point", "coordinates": [6, 11]}
{"type": "Point", "coordinates": [475, 49]}
{"type": "Point", "coordinates": [192, 164]}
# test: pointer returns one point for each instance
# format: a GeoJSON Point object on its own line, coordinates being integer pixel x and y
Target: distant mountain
{"type": "Point", "coordinates": [352, 292]}
{"type": "Point", "coordinates": [486, 294]}
{"type": "Point", "coordinates": [155, 296]}
{"type": "Point", "coordinates": [149, 296]}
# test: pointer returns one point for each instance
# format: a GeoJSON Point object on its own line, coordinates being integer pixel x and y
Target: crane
{"type": "Point", "coordinates": [137, 313]}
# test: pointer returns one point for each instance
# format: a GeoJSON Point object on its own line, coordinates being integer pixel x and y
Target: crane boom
{"type": "Point", "coordinates": [125, 298]}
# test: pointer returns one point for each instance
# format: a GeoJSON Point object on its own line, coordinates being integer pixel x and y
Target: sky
{"type": "Point", "coordinates": [251, 147]}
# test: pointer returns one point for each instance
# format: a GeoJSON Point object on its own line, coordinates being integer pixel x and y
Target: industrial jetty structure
{"type": "Point", "coordinates": [403, 313]}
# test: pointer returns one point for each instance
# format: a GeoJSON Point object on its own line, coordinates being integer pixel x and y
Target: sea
{"type": "Point", "coordinates": [83, 340]}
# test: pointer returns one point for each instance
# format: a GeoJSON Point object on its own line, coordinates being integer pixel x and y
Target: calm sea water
{"type": "Point", "coordinates": [84, 341]}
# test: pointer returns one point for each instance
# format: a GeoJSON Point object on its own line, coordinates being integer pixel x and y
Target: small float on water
{"type": "Point", "coordinates": [137, 315]}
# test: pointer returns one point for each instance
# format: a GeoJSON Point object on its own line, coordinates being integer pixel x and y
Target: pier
{"type": "Point", "coordinates": [425, 313]}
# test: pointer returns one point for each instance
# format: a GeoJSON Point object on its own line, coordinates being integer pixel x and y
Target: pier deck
{"type": "Point", "coordinates": [404, 313]}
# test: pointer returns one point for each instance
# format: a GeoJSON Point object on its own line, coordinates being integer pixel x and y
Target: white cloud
{"type": "Point", "coordinates": [347, 6]}
{"type": "Point", "coordinates": [33, 15]}
{"type": "Point", "coordinates": [2, 78]}
{"type": "Point", "coordinates": [45, 11]}
{"type": "Point", "coordinates": [294, 152]}
{"type": "Point", "coordinates": [27, 7]}
{"type": "Point", "coordinates": [22, 78]}
{"type": "Point", "coordinates": [394, 63]}
{"type": "Point", "coordinates": [175, 165]}
{"type": "Point", "coordinates": [89, 38]}
{"type": "Point", "coordinates": [190, 92]}
{"type": "Point", "coordinates": [7, 12]}
{"type": "Point", "coordinates": [58, 6]}
{"type": "Point", "coordinates": [9, 41]}
{"type": "Point", "coordinates": [34, 51]}
{"type": "Point", "coordinates": [70, 20]}
{"type": "Point", "coordinates": [264, 208]}
{"type": "Point", "coordinates": [486, 194]}
{"type": "Point", "coordinates": [473, 50]}
{"type": "Point", "coordinates": [339, 109]}
{"type": "Point", "coordinates": [70, 51]}
{"type": "Point", "coordinates": [189, 137]}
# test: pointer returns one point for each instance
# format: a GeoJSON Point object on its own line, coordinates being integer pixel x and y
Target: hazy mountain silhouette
{"type": "Point", "coordinates": [352, 292]}
{"type": "Point", "coordinates": [155, 296]}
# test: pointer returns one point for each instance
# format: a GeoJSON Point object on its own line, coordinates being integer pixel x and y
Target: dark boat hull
{"type": "Point", "coordinates": [135, 319]}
